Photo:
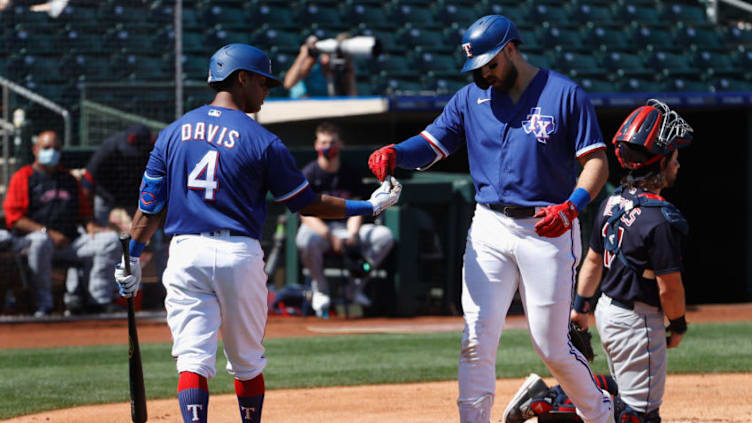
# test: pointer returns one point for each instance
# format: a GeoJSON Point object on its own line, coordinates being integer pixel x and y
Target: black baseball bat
{"type": "Point", "coordinates": [135, 369]}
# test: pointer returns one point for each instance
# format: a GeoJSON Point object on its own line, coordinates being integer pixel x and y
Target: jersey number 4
{"type": "Point", "coordinates": [204, 175]}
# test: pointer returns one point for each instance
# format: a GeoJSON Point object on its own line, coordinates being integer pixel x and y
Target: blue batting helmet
{"type": "Point", "coordinates": [486, 38]}
{"type": "Point", "coordinates": [237, 56]}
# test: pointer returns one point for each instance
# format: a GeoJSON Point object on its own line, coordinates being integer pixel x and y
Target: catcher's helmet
{"type": "Point", "coordinates": [237, 56]}
{"type": "Point", "coordinates": [649, 133]}
{"type": "Point", "coordinates": [485, 38]}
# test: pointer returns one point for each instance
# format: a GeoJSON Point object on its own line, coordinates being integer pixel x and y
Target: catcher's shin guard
{"type": "Point", "coordinates": [528, 402]}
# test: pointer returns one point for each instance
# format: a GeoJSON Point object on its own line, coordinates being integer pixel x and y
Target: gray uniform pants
{"type": "Point", "coordinates": [99, 253]}
{"type": "Point", "coordinates": [635, 346]}
{"type": "Point", "coordinates": [375, 243]}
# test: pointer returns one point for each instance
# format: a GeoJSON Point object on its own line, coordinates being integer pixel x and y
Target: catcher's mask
{"type": "Point", "coordinates": [650, 133]}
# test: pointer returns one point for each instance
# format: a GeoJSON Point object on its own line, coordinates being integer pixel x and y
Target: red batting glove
{"type": "Point", "coordinates": [382, 161]}
{"type": "Point", "coordinates": [557, 219]}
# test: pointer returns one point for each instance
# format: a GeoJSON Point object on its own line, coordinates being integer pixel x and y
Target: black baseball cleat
{"type": "Point", "coordinates": [519, 408]}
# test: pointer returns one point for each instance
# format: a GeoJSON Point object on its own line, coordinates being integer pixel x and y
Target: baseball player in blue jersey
{"type": "Point", "coordinates": [636, 249]}
{"type": "Point", "coordinates": [525, 130]}
{"type": "Point", "coordinates": [209, 174]}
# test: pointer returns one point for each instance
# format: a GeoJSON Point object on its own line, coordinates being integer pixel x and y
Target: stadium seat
{"type": "Point", "coordinates": [717, 64]}
{"type": "Point", "coordinates": [437, 61]}
{"type": "Point", "coordinates": [658, 37]}
{"type": "Point", "coordinates": [321, 13]}
{"type": "Point", "coordinates": [731, 84]}
{"type": "Point", "coordinates": [192, 19]}
{"type": "Point", "coordinates": [403, 85]}
{"type": "Point", "coordinates": [284, 38]}
{"type": "Point", "coordinates": [195, 67]}
{"type": "Point", "coordinates": [415, 13]}
{"type": "Point", "coordinates": [685, 85]}
{"type": "Point", "coordinates": [597, 85]}
{"type": "Point", "coordinates": [30, 38]}
{"type": "Point", "coordinates": [736, 36]}
{"type": "Point", "coordinates": [423, 37]}
{"type": "Point", "coordinates": [606, 37]}
{"type": "Point", "coordinates": [74, 13]}
{"type": "Point", "coordinates": [743, 58]}
{"type": "Point", "coordinates": [686, 13]}
{"type": "Point", "coordinates": [579, 65]}
{"type": "Point", "coordinates": [112, 12]}
{"type": "Point", "coordinates": [462, 14]}
{"type": "Point", "coordinates": [597, 13]}
{"type": "Point", "coordinates": [143, 67]}
{"type": "Point", "coordinates": [220, 36]}
{"type": "Point", "coordinates": [627, 64]}
{"type": "Point", "coordinates": [278, 14]}
{"type": "Point", "coordinates": [227, 16]}
{"type": "Point", "coordinates": [387, 38]}
{"type": "Point", "coordinates": [562, 36]}
{"type": "Point", "coordinates": [281, 59]}
{"type": "Point", "coordinates": [532, 39]}
{"type": "Point", "coordinates": [21, 14]}
{"type": "Point", "coordinates": [638, 13]}
{"type": "Point", "coordinates": [445, 82]}
{"type": "Point", "coordinates": [542, 59]}
{"type": "Point", "coordinates": [673, 64]}
{"type": "Point", "coordinates": [121, 36]}
{"type": "Point", "coordinates": [514, 12]}
{"type": "Point", "coordinates": [193, 41]}
{"type": "Point", "coordinates": [701, 36]}
{"type": "Point", "coordinates": [371, 14]}
{"type": "Point", "coordinates": [640, 85]}
{"type": "Point", "coordinates": [393, 63]}
{"type": "Point", "coordinates": [551, 13]}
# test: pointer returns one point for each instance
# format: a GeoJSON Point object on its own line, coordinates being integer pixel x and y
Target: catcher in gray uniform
{"type": "Point", "coordinates": [635, 256]}
{"type": "Point", "coordinates": [636, 249]}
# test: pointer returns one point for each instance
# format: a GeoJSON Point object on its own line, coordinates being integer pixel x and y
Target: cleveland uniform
{"type": "Point", "coordinates": [648, 240]}
{"type": "Point", "coordinates": [218, 165]}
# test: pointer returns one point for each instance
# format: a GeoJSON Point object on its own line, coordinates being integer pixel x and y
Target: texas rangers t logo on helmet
{"type": "Point", "coordinates": [540, 125]}
{"type": "Point", "coordinates": [468, 49]}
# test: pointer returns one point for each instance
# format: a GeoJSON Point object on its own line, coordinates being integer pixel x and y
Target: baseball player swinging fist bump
{"type": "Point", "coordinates": [635, 255]}
{"type": "Point", "coordinates": [209, 173]}
{"type": "Point", "coordinates": [525, 130]}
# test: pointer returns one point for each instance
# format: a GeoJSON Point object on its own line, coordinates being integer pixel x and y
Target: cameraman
{"type": "Point", "coordinates": [351, 237]}
{"type": "Point", "coordinates": [317, 74]}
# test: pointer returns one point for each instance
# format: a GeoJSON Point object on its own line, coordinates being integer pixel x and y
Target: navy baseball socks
{"type": "Point", "coordinates": [250, 398]}
{"type": "Point", "coordinates": [193, 396]}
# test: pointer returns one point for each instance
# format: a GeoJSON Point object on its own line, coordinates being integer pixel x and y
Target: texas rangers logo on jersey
{"type": "Point", "coordinates": [539, 125]}
{"type": "Point", "coordinates": [468, 49]}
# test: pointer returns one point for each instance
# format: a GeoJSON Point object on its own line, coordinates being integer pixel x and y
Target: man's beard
{"type": "Point", "coordinates": [508, 82]}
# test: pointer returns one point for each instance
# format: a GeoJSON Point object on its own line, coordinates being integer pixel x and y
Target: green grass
{"type": "Point", "coordinates": [35, 380]}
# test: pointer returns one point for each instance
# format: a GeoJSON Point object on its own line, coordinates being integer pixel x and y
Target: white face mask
{"type": "Point", "coordinates": [48, 157]}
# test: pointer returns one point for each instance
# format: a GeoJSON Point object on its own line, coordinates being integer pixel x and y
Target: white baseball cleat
{"type": "Point", "coordinates": [518, 410]}
{"type": "Point", "coordinates": [320, 303]}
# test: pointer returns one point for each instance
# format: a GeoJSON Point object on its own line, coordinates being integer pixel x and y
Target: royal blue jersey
{"type": "Point", "coordinates": [646, 239]}
{"type": "Point", "coordinates": [525, 153]}
{"type": "Point", "coordinates": [219, 165]}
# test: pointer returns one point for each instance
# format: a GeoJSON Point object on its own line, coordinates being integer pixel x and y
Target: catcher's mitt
{"type": "Point", "coordinates": [581, 340]}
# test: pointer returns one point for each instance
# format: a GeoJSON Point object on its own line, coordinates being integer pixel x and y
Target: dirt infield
{"type": "Point", "coordinates": [689, 398]}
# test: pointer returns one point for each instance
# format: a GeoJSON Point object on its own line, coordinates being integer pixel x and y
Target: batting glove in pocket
{"type": "Point", "coordinates": [557, 219]}
{"type": "Point", "coordinates": [386, 195]}
{"type": "Point", "coordinates": [129, 284]}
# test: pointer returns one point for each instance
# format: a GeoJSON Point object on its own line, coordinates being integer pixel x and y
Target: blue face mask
{"type": "Point", "coordinates": [48, 157]}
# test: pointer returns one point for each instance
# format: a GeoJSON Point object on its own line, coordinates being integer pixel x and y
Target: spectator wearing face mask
{"type": "Point", "coordinates": [47, 211]}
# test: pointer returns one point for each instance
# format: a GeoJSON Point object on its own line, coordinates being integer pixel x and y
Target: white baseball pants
{"type": "Point", "coordinates": [503, 254]}
{"type": "Point", "coordinates": [216, 283]}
